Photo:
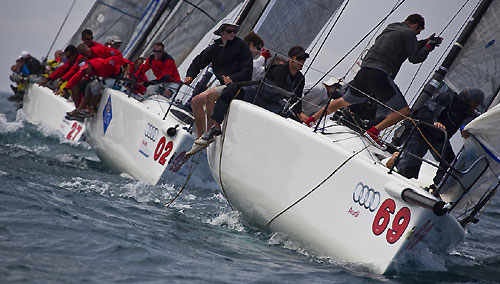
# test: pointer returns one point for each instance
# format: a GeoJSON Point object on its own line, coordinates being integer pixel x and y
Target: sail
{"type": "Point", "coordinates": [181, 28]}
{"type": "Point", "coordinates": [484, 145]}
{"type": "Point", "coordinates": [123, 18]}
{"type": "Point", "coordinates": [294, 22]}
{"type": "Point", "coordinates": [478, 63]}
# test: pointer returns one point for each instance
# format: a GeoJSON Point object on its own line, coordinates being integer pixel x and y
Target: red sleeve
{"type": "Point", "coordinates": [71, 72]}
{"type": "Point", "coordinates": [170, 70]}
{"type": "Point", "coordinates": [59, 72]}
{"type": "Point", "coordinates": [75, 79]}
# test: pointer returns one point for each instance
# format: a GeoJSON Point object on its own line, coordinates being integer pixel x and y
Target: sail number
{"type": "Point", "coordinates": [75, 127]}
{"type": "Point", "coordinates": [162, 151]}
{"type": "Point", "coordinates": [399, 223]}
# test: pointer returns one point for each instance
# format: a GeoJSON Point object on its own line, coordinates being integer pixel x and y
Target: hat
{"type": "Point", "coordinates": [114, 39]}
{"type": "Point", "coordinates": [298, 51]}
{"type": "Point", "coordinates": [24, 54]}
{"type": "Point", "coordinates": [332, 81]}
{"type": "Point", "coordinates": [474, 95]}
{"type": "Point", "coordinates": [224, 23]}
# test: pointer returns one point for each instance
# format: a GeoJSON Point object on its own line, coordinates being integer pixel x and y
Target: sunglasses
{"type": "Point", "coordinates": [258, 48]}
{"type": "Point", "coordinates": [156, 51]}
{"type": "Point", "coordinates": [230, 31]}
{"type": "Point", "coordinates": [88, 38]}
{"type": "Point", "coordinates": [300, 58]}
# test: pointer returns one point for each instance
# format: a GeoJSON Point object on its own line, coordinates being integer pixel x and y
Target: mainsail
{"type": "Point", "coordinates": [123, 18]}
{"type": "Point", "coordinates": [478, 63]}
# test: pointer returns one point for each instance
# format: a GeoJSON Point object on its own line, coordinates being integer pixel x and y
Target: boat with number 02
{"type": "Point", "coordinates": [331, 190]}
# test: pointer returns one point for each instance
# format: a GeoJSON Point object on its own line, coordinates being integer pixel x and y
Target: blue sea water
{"type": "Point", "coordinates": [67, 218]}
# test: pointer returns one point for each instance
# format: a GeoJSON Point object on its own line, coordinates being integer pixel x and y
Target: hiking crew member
{"type": "Point", "coordinates": [380, 66]}
{"type": "Point", "coordinates": [71, 55]}
{"type": "Point", "coordinates": [208, 97]}
{"type": "Point", "coordinates": [447, 111]}
{"type": "Point", "coordinates": [231, 60]}
{"type": "Point", "coordinates": [163, 67]}
{"type": "Point", "coordinates": [286, 76]}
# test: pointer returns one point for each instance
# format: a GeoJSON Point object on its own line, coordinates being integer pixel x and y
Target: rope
{"type": "Point", "coordinates": [316, 187]}
{"type": "Point", "coordinates": [191, 170]}
{"type": "Point", "coordinates": [442, 31]}
{"type": "Point", "coordinates": [60, 28]}
{"type": "Point", "coordinates": [442, 55]}
{"type": "Point", "coordinates": [357, 44]}
{"type": "Point", "coordinates": [368, 44]}
{"type": "Point", "coordinates": [327, 36]}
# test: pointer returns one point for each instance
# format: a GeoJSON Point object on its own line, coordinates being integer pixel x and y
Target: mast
{"type": "Point", "coordinates": [436, 81]}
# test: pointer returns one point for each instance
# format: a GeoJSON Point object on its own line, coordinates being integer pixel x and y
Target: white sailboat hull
{"type": "Point", "coordinates": [131, 137]}
{"type": "Point", "coordinates": [268, 163]}
{"type": "Point", "coordinates": [42, 107]}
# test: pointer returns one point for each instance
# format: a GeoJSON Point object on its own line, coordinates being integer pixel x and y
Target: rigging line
{"type": "Point", "coordinates": [180, 22]}
{"type": "Point", "coordinates": [367, 45]}
{"type": "Point", "coordinates": [442, 31]}
{"type": "Point", "coordinates": [201, 10]}
{"type": "Point", "coordinates": [357, 44]}
{"type": "Point", "coordinates": [191, 171]}
{"type": "Point", "coordinates": [443, 54]}
{"type": "Point", "coordinates": [316, 187]}
{"type": "Point", "coordinates": [327, 35]}
{"type": "Point", "coordinates": [119, 10]}
{"type": "Point", "coordinates": [60, 28]}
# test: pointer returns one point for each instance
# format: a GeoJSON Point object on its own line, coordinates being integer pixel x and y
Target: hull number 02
{"type": "Point", "coordinates": [162, 151]}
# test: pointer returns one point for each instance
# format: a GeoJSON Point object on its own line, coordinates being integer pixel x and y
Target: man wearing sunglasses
{"type": "Point", "coordinates": [167, 80]}
{"type": "Point", "coordinates": [231, 61]}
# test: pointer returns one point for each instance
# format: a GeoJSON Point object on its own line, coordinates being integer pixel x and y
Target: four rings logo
{"type": "Point", "coordinates": [151, 132]}
{"type": "Point", "coordinates": [366, 196]}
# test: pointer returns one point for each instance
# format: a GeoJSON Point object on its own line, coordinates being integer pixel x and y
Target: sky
{"type": "Point", "coordinates": [32, 25]}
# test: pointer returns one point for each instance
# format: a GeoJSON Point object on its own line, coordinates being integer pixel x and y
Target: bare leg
{"type": "Point", "coordinates": [332, 107]}
{"type": "Point", "coordinates": [210, 103]}
{"type": "Point", "coordinates": [393, 118]}
{"type": "Point", "coordinates": [197, 104]}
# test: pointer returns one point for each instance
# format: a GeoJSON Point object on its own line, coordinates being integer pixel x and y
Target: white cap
{"type": "Point", "coordinates": [24, 54]}
{"type": "Point", "coordinates": [114, 39]}
{"type": "Point", "coordinates": [332, 81]}
{"type": "Point", "coordinates": [226, 22]}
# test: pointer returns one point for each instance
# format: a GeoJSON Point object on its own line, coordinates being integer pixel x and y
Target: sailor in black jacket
{"type": "Point", "coordinates": [448, 111]}
{"type": "Point", "coordinates": [230, 57]}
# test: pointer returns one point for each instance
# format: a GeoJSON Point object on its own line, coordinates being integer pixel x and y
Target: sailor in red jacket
{"type": "Point", "coordinates": [139, 77]}
{"type": "Point", "coordinates": [97, 67]}
{"type": "Point", "coordinates": [71, 56]}
{"type": "Point", "coordinates": [167, 75]}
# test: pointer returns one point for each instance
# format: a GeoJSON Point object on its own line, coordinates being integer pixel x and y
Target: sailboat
{"type": "Point", "coordinates": [331, 191]}
{"type": "Point", "coordinates": [105, 18]}
{"type": "Point", "coordinates": [146, 138]}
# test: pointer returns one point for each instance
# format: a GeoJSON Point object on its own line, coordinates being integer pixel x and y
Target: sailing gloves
{"type": "Point", "coordinates": [310, 121]}
{"type": "Point", "coordinates": [432, 42]}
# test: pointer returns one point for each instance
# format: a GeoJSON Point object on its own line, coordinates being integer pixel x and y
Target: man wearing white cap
{"type": "Point", "coordinates": [114, 42]}
{"type": "Point", "coordinates": [317, 96]}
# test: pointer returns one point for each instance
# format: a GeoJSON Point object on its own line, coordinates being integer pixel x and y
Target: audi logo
{"type": "Point", "coordinates": [366, 197]}
{"type": "Point", "coordinates": [151, 132]}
